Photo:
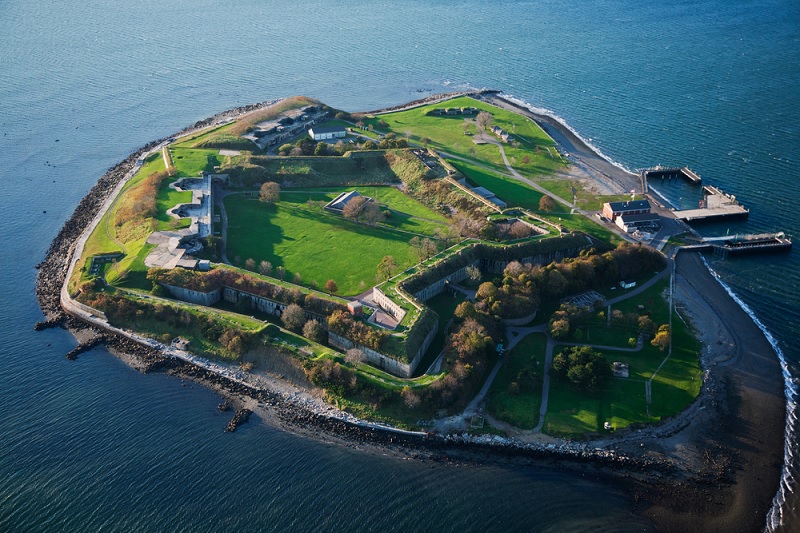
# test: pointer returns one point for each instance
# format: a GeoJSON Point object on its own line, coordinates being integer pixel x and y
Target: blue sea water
{"type": "Point", "coordinates": [92, 444]}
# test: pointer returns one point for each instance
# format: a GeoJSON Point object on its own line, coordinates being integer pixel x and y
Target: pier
{"type": "Point", "coordinates": [750, 244]}
{"type": "Point", "coordinates": [743, 244]}
{"type": "Point", "coordinates": [715, 204]}
{"type": "Point", "coordinates": [672, 172]}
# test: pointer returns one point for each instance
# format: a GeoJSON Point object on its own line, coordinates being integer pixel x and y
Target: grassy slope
{"type": "Point", "coordinates": [320, 246]}
{"type": "Point", "coordinates": [520, 409]}
{"type": "Point", "coordinates": [514, 192]}
{"type": "Point", "coordinates": [407, 214]}
{"type": "Point", "coordinates": [446, 134]}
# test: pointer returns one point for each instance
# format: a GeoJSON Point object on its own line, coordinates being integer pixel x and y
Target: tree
{"type": "Point", "coordinates": [354, 356]}
{"type": "Point", "coordinates": [646, 325]}
{"type": "Point", "coordinates": [352, 209]}
{"type": "Point", "coordinates": [265, 268]}
{"type": "Point", "coordinates": [321, 149]}
{"type": "Point", "coordinates": [297, 279]}
{"type": "Point", "coordinates": [371, 214]}
{"type": "Point", "coordinates": [424, 248]}
{"type": "Point", "coordinates": [250, 264]}
{"type": "Point", "coordinates": [473, 272]}
{"type": "Point", "coordinates": [370, 145]}
{"type": "Point", "coordinates": [484, 120]}
{"type": "Point", "coordinates": [410, 397]}
{"type": "Point", "coordinates": [559, 328]}
{"type": "Point", "coordinates": [293, 317]}
{"type": "Point", "coordinates": [583, 367]}
{"type": "Point", "coordinates": [662, 338]}
{"type": "Point", "coordinates": [280, 273]}
{"type": "Point", "coordinates": [270, 192]}
{"type": "Point", "coordinates": [314, 331]}
{"type": "Point", "coordinates": [546, 204]}
{"type": "Point", "coordinates": [386, 267]}
{"type": "Point", "coordinates": [331, 286]}
{"type": "Point", "coordinates": [520, 230]}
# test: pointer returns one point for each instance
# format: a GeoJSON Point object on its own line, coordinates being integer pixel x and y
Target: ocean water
{"type": "Point", "coordinates": [92, 444]}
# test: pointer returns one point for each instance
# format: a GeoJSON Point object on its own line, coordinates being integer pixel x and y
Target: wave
{"type": "Point", "coordinates": [561, 120]}
{"type": "Point", "coordinates": [788, 482]}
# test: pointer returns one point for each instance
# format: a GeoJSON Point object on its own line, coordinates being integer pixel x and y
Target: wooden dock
{"type": "Point", "coordinates": [715, 204]}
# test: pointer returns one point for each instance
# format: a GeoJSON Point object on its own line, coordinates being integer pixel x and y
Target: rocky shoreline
{"type": "Point", "coordinates": [680, 472]}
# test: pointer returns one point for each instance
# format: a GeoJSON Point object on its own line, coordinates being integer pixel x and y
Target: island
{"type": "Point", "coordinates": [457, 276]}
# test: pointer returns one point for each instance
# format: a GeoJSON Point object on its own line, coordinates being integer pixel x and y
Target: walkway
{"type": "Point", "coordinates": [219, 201]}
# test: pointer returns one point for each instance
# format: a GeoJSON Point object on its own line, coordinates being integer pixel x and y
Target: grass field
{"type": "Point", "coordinates": [446, 133]}
{"type": "Point", "coordinates": [514, 192]}
{"type": "Point", "coordinates": [317, 245]}
{"type": "Point", "coordinates": [520, 409]}
{"type": "Point", "coordinates": [191, 162]}
{"type": "Point", "coordinates": [407, 213]}
{"type": "Point", "coordinates": [356, 168]}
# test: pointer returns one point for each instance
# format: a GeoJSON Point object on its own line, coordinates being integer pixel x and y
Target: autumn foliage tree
{"type": "Point", "coordinates": [546, 204]}
{"type": "Point", "coordinates": [661, 339]}
{"type": "Point", "coordinates": [270, 192]}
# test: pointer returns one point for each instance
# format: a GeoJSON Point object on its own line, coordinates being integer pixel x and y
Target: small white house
{"type": "Point", "coordinates": [323, 133]}
{"type": "Point", "coordinates": [627, 284]}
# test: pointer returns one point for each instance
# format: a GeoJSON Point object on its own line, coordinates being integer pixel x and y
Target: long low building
{"type": "Point", "coordinates": [630, 223]}
{"type": "Point", "coordinates": [323, 133]}
{"type": "Point", "coordinates": [612, 210]}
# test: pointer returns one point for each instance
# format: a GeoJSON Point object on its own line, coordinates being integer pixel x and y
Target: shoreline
{"type": "Point", "coordinates": [719, 488]}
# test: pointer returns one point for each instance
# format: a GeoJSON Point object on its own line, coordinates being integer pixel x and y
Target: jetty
{"type": "Point", "coordinates": [715, 204]}
{"type": "Point", "coordinates": [743, 244]}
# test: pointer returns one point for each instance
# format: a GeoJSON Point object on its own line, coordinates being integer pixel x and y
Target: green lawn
{"type": "Point", "coordinates": [571, 413]}
{"type": "Point", "coordinates": [407, 213]}
{"type": "Point", "coordinates": [520, 409]}
{"type": "Point", "coordinates": [191, 162]}
{"type": "Point", "coordinates": [318, 245]}
{"type": "Point", "coordinates": [514, 192]}
{"type": "Point", "coordinates": [446, 133]}
{"type": "Point", "coordinates": [622, 401]}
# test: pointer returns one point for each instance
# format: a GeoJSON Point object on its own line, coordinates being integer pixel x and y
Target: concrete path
{"type": "Point", "coordinates": [219, 201]}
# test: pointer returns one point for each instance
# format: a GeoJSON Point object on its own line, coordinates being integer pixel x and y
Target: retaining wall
{"type": "Point", "coordinates": [438, 287]}
{"type": "Point", "coordinates": [388, 305]}
{"type": "Point", "coordinates": [191, 296]}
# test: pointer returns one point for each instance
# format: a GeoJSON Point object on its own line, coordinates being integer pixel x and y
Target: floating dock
{"type": "Point", "coordinates": [715, 204]}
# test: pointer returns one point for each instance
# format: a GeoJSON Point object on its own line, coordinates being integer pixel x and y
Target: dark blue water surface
{"type": "Point", "coordinates": [92, 444]}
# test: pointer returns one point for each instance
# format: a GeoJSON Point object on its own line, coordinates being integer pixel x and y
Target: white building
{"type": "Point", "coordinates": [322, 133]}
